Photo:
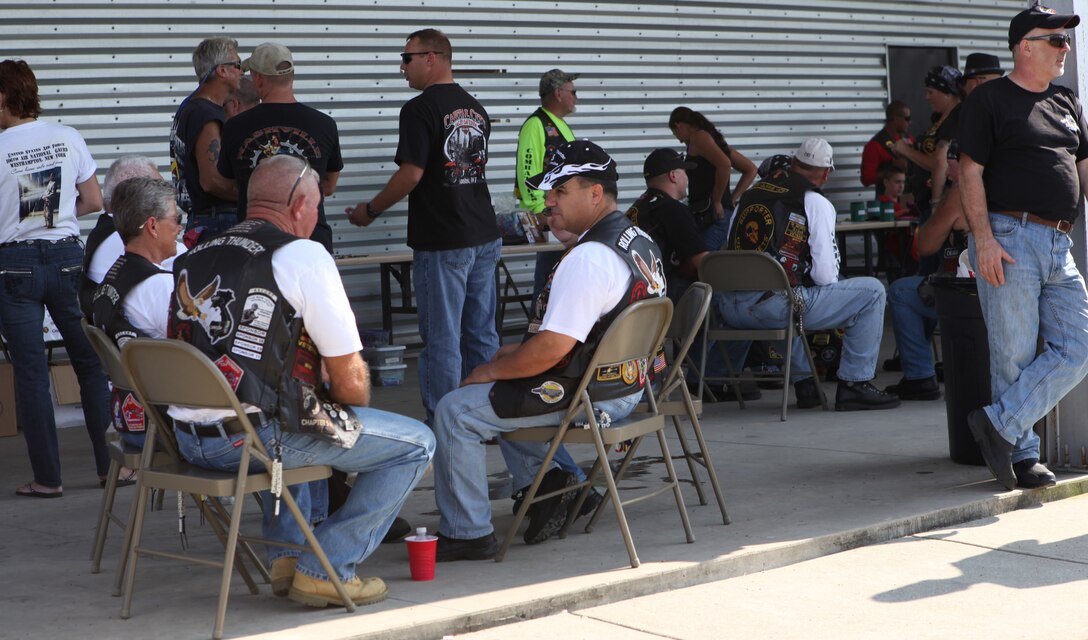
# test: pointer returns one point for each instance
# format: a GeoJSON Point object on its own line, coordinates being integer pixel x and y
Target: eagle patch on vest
{"type": "Point", "coordinates": [549, 391]}
{"type": "Point", "coordinates": [209, 307]}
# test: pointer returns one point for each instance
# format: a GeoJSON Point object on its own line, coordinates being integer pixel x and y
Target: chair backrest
{"type": "Point", "coordinates": [743, 271]}
{"type": "Point", "coordinates": [172, 372]}
{"type": "Point", "coordinates": [688, 318]}
{"type": "Point", "coordinates": [108, 354]}
{"type": "Point", "coordinates": [636, 333]}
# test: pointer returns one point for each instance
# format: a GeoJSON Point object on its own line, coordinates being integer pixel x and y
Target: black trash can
{"type": "Point", "coordinates": [966, 355]}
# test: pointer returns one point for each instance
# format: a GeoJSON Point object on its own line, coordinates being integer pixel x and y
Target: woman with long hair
{"type": "Point", "coordinates": [47, 179]}
{"type": "Point", "coordinates": [709, 197]}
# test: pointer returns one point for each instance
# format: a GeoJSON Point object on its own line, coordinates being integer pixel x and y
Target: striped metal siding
{"type": "Point", "coordinates": [768, 74]}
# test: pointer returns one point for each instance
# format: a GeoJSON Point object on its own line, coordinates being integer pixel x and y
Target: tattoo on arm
{"type": "Point", "coordinates": [213, 150]}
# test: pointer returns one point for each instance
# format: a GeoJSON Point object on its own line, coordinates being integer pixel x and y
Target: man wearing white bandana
{"type": "Point", "coordinates": [531, 384]}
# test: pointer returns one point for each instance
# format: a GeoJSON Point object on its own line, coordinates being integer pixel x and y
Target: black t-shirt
{"type": "Point", "coordinates": [671, 225]}
{"type": "Point", "coordinates": [281, 128]}
{"type": "Point", "coordinates": [445, 131]}
{"type": "Point", "coordinates": [945, 130]}
{"type": "Point", "coordinates": [190, 119]}
{"type": "Point", "coordinates": [701, 184]}
{"type": "Point", "coordinates": [1029, 145]}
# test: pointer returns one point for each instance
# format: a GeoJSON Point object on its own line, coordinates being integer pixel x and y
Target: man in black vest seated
{"type": "Point", "coordinates": [787, 217]}
{"type": "Point", "coordinates": [134, 297]}
{"type": "Point", "coordinates": [613, 264]}
{"type": "Point", "coordinates": [267, 305]}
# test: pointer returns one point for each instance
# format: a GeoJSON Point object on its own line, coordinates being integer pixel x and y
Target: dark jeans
{"type": "Point", "coordinates": [34, 277]}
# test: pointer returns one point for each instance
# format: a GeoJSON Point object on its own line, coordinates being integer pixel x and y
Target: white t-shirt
{"type": "Point", "coordinates": [147, 305]}
{"type": "Point", "coordinates": [590, 281]}
{"type": "Point", "coordinates": [111, 249]}
{"type": "Point", "coordinates": [40, 165]}
{"type": "Point", "coordinates": [821, 238]}
{"type": "Point", "coordinates": [308, 279]}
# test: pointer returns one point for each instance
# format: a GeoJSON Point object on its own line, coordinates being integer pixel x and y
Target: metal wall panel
{"type": "Point", "coordinates": [767, 73]}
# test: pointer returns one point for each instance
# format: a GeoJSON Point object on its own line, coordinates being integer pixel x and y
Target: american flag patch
{"type": "Point", "coordinates": [659, 362]}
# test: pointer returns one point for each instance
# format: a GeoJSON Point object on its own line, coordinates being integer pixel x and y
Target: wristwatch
{"type": "Point", "coordinates": [371, 212]}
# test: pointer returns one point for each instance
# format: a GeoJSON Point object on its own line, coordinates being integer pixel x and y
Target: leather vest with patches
{"type": "Point", "coordinates": [771, 218]}
{"type": "Point", "coordinates": [552, 137]}
{"type": "Point", "coordinates": [103, 228]}
{"type": "Point", "coordinates": [227, 304]}
{"type": "Point", "coordinates": [553, 389]}
{"type": "Point", "coordinates": [108, 314]}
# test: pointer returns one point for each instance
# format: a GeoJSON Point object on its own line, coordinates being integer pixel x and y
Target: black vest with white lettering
{"type": "Point", "coordinates": [771, 218]}
{"type": "Point", "coordinates": [552, 390]}
{"type": "Point", "coordinates": [227, 304]}
{"type": "Point", "coordinates": [103, 228]}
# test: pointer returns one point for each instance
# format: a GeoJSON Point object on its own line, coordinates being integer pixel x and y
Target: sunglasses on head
{"type": "Point", "coordinates": [1056, 40]}
{"type": "Point", "coordinates": [305, 170]}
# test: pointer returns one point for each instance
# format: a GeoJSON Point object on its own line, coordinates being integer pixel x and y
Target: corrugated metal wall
{"type": "Point", "coordinates": [767, 73]}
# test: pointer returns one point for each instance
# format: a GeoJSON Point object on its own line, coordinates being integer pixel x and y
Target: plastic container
{"type": "Point", "coordinates": [857, 211]}
{"type": "Point", "coordinates": [421, 554]}
{"type": "Point", "coordinates": [966, 355]}
{"type": "Point", "coordinates": [388, 375]}
{"type": "Point", "coordinates": [383, 356]}
{"type": "Point", "coordinates": [374, 337]}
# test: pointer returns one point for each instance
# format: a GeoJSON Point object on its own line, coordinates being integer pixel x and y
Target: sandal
{"type": "Point", "coordinates": [125, 477]}
{"type": "Point", "coordinates": [28, 491]}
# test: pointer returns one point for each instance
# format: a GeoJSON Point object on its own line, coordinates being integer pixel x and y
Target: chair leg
{"type": "Point", "coordinates": [215, 521]}
{"type": "Point", "coordinates": [786, 374]}
{"type": "Point", "coordinates": [707, 462]}
{"type": "Point", "coordinates": [127, 544]}
{"type": "Point", "coordinates": [104, 517]}
{"type": "Point", "coordinates": [529, 497]}
{"type": "Point", "coordinates": [617, 504]}
{"type": "Point", "coordinates": [733, 374]}
{"type": "Point", "coordinates": [580, 500]}
{"type": "Point", "coordinates": [308, 532]}
{"type": "Point", "coordinates": [690, 459]}
{"type": "Point", "coordinates": [133, 535]}
{"type": "Point", "coordinates": [812, 365]}
{"type": "Point", "coordinates": [675, 482]}
{"type": "Point", "coordinates": [228, 557]}
{"type": "Point", "coordinates": [617, 477]}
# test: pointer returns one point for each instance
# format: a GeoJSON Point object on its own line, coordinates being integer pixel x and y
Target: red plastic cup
{"type": "Point", "coordinates": [421, 550]}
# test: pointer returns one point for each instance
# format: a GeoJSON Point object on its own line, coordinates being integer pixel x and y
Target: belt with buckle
{"type": "Point", "coordinates": [16, 243]}
{"type": "Point", "coordinates": [224, 429]}
{"type": "Point", "coordinates": [1065, 226]}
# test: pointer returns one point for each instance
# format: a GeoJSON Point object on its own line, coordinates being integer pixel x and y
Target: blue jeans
{"type": "Point", "coordinates": [456, 297]}
{"type": "Point", "coordinates": [38, 276]}
{"type": "Point", "coordinates": [913, 322]}
{"type": "Point", "coordinates": [1043, 297]}
{"type": "Point", "coordinates": [856, 304]}
{"type": "Point", "coordinates": [717, 233]}
{"type": "Point", "coordinates": [390, 457]}
{"type": "Point", "coordinates": [463, 421]}
{"type": "Point", "coordinates": [212, 224]}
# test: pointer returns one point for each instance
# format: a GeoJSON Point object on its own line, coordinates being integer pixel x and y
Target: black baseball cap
{"type": "Point", "coordinates": [664, 160]}
{"type": "Point", "coordinates": [580, 158]}
{"type": "Point", "coordinates": [1038, 17]}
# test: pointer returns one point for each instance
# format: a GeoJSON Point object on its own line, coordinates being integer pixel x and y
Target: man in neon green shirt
{"type": "Point", "coordinates": [541, 133]}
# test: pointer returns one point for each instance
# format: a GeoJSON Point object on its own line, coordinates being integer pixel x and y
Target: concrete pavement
{"type": "Point", "coordinates": [1008, 576]}
{"type": "Point", "coordinates": [800, 490]}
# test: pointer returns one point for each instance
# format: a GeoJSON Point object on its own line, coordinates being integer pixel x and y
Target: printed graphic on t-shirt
{"type": "Point", "coordinates": [465, 147]}
{"type": "Point", "coordinates": [39, 173]}
{"type": "Point", "coordinates": [178, 151]}
{"type": "Point", "coordinates": [272, 141]}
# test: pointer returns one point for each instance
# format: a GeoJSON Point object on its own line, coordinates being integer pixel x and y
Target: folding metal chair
{"type": "Point", "coordinates": [171, 372]}
{"type": "Point", "coordinates": [689, 319]}
{"type": "Point", "coordinates": [741, 271]}
{"type": "Point", "coordinates": [636, 334]}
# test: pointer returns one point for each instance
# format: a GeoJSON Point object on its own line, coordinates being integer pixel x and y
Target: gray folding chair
{"type": "Point", "coordinates": [171, 372]}
{"type": "Point", "coordinates": [741, 271]}
{"type": "Point", "coordinates": [689, 319]}
{"type": "Point", "coordinates": [636, 334]}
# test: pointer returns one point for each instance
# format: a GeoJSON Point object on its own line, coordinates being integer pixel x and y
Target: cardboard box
{"type": "Point", "coordinates": [7, 401]}
{"type": "Point", "coordinates": [65, 384]}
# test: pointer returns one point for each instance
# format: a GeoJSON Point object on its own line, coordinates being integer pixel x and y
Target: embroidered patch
{"type": "Point", "coordinates": [231, 371]}
{"type": "Point", "coordinates": [134, 414]}
{"type": "Point", "coordinates": [549, 391]}
{"type": "Point", "coordinates": [609, 373]}
{"type": "Point", "coordinates": [209, 307]}
{"type": "Point", "coordinates": [629, 371]}
{"type": "Point", "coordinates": [659, 362]}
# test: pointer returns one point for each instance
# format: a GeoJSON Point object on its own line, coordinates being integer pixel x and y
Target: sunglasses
{"type": "Point", "coordinates": [176, 219]}
{"type": "Point", "coordinates": [1056, 40]}
{"type": "Point", "coordinates": [406, 57]}
{"type": "Point", "coordinates": [291, 195]}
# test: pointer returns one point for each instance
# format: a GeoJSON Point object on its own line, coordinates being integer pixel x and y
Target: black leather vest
{"type": "Point", "coordinates": [552, 137]}
{"type": "Point", "coordinates": [771, 218]}
{"type": "Point", "coordinates": [552, 390]}
{"type": "Point", "coordinates": [108, 314]}
{"type": "Point", "coordinates": [103, 228]}
{"type": "Point", "coordinates": [227, 304]}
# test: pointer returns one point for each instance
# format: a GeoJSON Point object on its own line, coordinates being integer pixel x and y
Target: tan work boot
{"type": "Point", "coordinates": [321, 593]}
{"type": "Point", "coordinates": [283, 573]}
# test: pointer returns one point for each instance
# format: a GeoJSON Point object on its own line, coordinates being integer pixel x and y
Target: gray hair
{"type": "Point", "coordinates": [137, 199]}
{"type": "Point", "coordinates": [123, 168]}
{"type": "Point", "coordinates": [212, 51]}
